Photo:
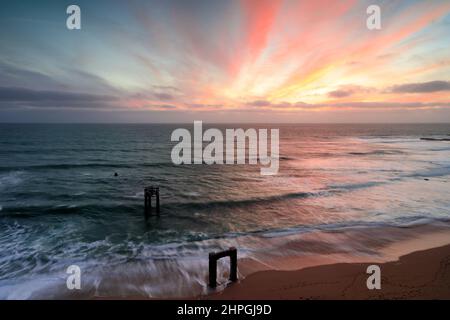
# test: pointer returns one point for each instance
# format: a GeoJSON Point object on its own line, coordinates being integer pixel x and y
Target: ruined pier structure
{"type": "Point", "coordinates": [149, 193]}
{"type": "Point", "coordinates": [214, 256]}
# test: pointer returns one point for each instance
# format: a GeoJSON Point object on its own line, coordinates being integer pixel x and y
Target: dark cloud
{"type": "Point", "coordinates": [163, 93]}
{"type": "Point", "coordinates": [152, 97]}
{"type": "Point", "coordinates": [88, 82]}
{"type": "Point", "coordinates": [203, 106]}
{"type": "Point", "coordinates": [376, 105]}
{"type": "Point", "coordinates": [19, 77]}
{"type": "Point", "coordinates": [167, 106]}
{"type": "Point", "coordinates": [340, 93]}
{"type": "Point", "coordinates": [160, 107]}
{"type": "Point", "coordinates": [348, 90]}
{"type": "Point", "coordinates": [163, 96]}
{"type": "Point", "coordinates": [69, 79]}
{"type": "Point", "coordinates": [23, 97]}
{"type": "Point", "coordinates": [384, 105]}
{"type": "Point", "coordinates": [167, 88]}
{"type": "Point", "coordinates": [259, 103]}
{"type": "Point", "coordinates": [431, 86]}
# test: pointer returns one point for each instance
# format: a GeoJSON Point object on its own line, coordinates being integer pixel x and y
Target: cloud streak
{"type": "Point", "coordinates": [358, 105]}
{"type": "Point", "coordinates": [425, 87]}
{"type": "Point", "coordinates": [24, 97]}
{"type": "Point", "coordinates": [230, 56]}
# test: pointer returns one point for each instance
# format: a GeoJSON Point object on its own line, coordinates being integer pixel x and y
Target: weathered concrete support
{"type": "Point", "coordinates": [149, 192]}
{"type": "Point", "coordinates": [157, 202]}
{"type": "Point", "coordinates": [214, 256]}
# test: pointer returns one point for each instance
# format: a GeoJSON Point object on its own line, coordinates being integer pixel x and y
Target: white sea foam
{"type": "Point", "coordinates": [137, 195]}
{"type": "Point", "coordinates": [192, 194]}
{"type": "Point", "coordinates": [180, 269]}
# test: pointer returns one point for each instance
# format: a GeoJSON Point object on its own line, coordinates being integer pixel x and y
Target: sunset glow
{"type": "Point", "coordinates": [269, 59]}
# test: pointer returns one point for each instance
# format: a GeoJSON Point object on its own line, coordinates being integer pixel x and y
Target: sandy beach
{"type": "Point", "coordinates": [422, 274]}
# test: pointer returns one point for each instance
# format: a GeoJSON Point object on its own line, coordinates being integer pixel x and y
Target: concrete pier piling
{"type": "Point", "coordinates": [214, 256]}
{"type": "Point", "coordinates": [149, 193]}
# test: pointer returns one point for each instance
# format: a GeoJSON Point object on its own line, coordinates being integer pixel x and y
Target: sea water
{"type": "Point", "coordinates": [60, 203]}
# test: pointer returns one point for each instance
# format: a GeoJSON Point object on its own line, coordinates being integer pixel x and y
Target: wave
{"type": "Point", "coordinates": [399, 222]}
{"type": "Point", "coordinates": [83, 165]}
{"type": "Point", "coordinates": [230, 203]}
{"type": "Point", "coordinates": [171, 208]}
{"type": "Point", "coordinates": [355, 186]}
{"type": "Point", "coordinates": [327, 191]}
{"type": "Point", "coordinates": [175, 208]}
{"type": "Point", "coordinates": [432, 172]}
{"type": "Point", "coordinates": [435, 139]}
{"type": "Point", "coordinates": [69, 209]}
{"type": "Point", "coordinates": [78, 150]}
{"type": "Point", "coordinates": [377, 152]}
{"type": "Point", "coordinates": [64, 166]}
{"type": "Point", "coordinates": [180, 269]}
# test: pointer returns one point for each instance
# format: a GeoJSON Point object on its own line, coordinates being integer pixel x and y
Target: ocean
{"type": "Point", "coordinates": [60, 203]}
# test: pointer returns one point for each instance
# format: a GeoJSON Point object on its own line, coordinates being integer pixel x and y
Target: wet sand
{"type": "Point", "coordinates": [414, 262]}
{"type": "Point", "coordinates": [419, 275]}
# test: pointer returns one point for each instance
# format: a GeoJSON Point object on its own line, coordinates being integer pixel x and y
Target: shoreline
{"type": "Point", "coordinates": [378, 245]}
{"type": "Point", "coordinates": [301, 269]}
{"type": "Point", "coordinates": [410, 253]}
{"type": "Point", "coordinates": [420, 274]}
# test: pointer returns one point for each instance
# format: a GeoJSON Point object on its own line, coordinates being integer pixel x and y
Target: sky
{"type": "Point", "coordinates": [225, 61]}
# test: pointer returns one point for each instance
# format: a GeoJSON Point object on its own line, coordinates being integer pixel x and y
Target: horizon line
{"type": "Point", "coordinates": [208, 122]}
